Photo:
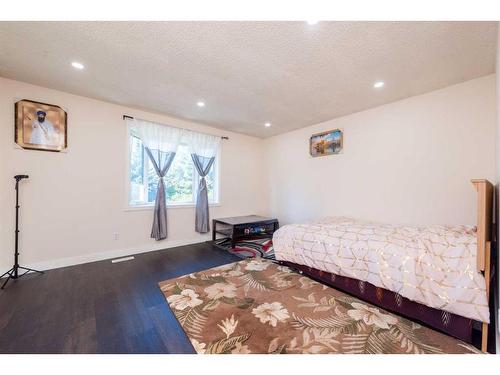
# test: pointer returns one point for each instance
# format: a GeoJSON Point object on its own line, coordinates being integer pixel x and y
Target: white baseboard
{"type": "Point", "coordinates": [94, 257]}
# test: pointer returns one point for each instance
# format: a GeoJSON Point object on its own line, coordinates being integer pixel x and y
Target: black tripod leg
{"type": "Point", "coordinates": [30, 269]}
{"type": "Point", "coordinates": [8, 278]}
{"type": "Point", "coordinates": [6, 273]}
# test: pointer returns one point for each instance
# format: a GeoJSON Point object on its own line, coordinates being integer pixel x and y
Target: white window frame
{"type": "Point", "coordinates": [196, 180]}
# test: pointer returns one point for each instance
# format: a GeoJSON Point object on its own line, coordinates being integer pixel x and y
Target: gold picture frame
{"type": "Point", "coordinates": [40, 126]}
{"type": "Point", "coordinates": [326, 143]}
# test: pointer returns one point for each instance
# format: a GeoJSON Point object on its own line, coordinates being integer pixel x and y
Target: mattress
{"type": "Point", "coordinates": [432, 265]}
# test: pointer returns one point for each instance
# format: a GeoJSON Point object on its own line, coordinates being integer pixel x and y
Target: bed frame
{"type": "Point", "coordinates": [484, 190]}
{"type": "Point", "coordinates": [449, 323]}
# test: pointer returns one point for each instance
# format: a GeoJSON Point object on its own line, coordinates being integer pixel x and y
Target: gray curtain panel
{"type": "Point", "coordinates": [202, 219]}
{"type": "Point", "coordinates": [161, 162]}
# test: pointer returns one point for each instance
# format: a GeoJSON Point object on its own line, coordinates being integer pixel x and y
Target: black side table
{"type": "Point", "coordinates": [240, 228]}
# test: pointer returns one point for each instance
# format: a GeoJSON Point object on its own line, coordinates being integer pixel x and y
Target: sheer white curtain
{"type": "Point", "coordinates": [203, 149]}
{"type": "Point", "coordinates": [156, 136]}
{"type": "Point", "coordinates": [160, 143]}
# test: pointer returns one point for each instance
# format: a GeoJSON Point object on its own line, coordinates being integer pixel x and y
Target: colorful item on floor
{"type": "Point", "coordinates": [262, 248]}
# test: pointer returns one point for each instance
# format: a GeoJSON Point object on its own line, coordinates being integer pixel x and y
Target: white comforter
{"type": "Point", "coordinates": [433, 265]}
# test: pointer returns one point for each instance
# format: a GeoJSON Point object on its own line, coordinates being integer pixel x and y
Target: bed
{"type": "Point", "coordinates": [439, 275]}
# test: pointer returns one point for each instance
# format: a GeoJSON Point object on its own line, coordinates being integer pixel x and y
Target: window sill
{"type": "Point", "coordinates": [169, 206]}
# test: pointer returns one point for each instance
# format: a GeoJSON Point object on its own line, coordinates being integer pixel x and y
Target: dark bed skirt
{"type": "Point", "coordinates": [451, 324]}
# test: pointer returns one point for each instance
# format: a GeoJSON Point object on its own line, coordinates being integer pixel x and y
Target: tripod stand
{"type": "Point", "coordinates": [14, 271]}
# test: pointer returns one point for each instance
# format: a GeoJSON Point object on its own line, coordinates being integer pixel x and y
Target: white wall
{"type": "Point", "coordinates": [409, 162]}
{"type": "Point", "coordinates": [74, 202]}
{"type": "Point", "coordinates": [406, 162]}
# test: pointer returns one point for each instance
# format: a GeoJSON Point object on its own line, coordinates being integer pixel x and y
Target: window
{"type": "Point", "coordinates": [181, 181]}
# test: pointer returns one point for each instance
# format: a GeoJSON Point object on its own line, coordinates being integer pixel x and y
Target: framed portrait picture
{"type": "Point", "coordinates": [40, 126]}
{"type": "Point", "coordinates": [327, 143]}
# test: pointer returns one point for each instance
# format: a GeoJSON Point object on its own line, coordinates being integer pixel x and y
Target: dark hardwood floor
{"type": "Point", "coordinates": [102, 307]}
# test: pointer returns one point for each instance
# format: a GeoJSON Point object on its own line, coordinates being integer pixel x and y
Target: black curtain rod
{"type": "Point", "coordinates": [130, 117]}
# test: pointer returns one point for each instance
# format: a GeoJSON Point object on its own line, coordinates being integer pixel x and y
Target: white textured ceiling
{"type": "Point", "coordinates": [289, 73]}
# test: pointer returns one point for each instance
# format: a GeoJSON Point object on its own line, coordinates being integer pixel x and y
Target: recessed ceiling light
{"type": "Point", "coordinates": [267, 124]}
{"type": "Point", "coordinates": [77, 65]}
{"type": "Point", "coordinates": [200, 104]}
{"type": "Point", "coordinates": [379, 84]}
{"type": "Point", "coordinates": [312, 22]}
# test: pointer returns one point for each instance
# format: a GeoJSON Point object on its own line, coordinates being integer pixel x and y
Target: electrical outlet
{"type": "Point", "coordinates": [116, 236]}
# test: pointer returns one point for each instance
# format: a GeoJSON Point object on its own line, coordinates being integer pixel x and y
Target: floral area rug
{"type": "Point", "coordinates": [257, 306]}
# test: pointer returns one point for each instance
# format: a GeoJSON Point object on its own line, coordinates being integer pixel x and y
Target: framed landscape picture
{"type": "Point", "coordinates": [40, 126]}
{"type": "Point", "coordinates": [327, 143]}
